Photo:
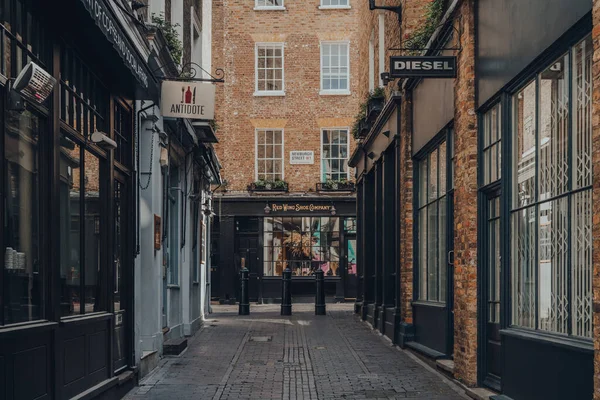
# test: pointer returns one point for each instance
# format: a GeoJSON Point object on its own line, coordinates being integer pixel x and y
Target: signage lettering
{"type": "Point", "coordinates": [193, 100]}
{"type": "Point", "coordinates": [302, 157]}
{"type": "Point", "coordinates": [285, 207]}
{"type": "Point", "coordinates": [100, 13]}
{"type": "Point", "coordinates": [423, 67]}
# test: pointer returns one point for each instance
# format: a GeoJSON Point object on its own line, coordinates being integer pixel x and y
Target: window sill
{"type": "Point", "coordinates": [172, 286]}
{"type": "Point", "coordinates": [266, 8]}
{"type": "Point", "coordinates": [334, 7]}
{"type": "Point", "coordinates": [550, 339]}
{"type": "Point", "coordinates": [335, 93]}
{"type": "Point", "coordinates": [274, 93]}
{"type": "Point", "coordinates": [424, 303]}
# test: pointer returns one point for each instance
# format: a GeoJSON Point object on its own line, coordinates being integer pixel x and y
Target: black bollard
{"type": "Point", "coordinates": [286, 292]}
{"type": "Point", "coordinates": [244, 301]}
{"type": "Point", "coordinates": [320, 295]}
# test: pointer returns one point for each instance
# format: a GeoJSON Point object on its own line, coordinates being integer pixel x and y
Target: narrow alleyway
{"type": "Point", "coordinates": [266, 356]}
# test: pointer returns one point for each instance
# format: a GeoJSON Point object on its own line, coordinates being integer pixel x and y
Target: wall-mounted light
{"type": "Point", "coordinates": [267, 209]}
{"type": "Point", "coordinates": [333, 211]}
{"type": "Point", "coordinates": [207, 209]}
{"type": "Point", "coordinates": [385, 78]}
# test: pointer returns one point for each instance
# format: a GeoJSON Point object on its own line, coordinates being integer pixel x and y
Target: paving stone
{"type": "Point", "coordinates": [266, 356]}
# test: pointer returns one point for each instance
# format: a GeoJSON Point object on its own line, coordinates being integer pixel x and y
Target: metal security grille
{"type": "Point", "coordinates": [552, 198]}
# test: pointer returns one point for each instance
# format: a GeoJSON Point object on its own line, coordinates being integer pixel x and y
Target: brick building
{"type": "Point", "coordinates": [489, 263]}
{"type": "Point", "coordinates": [284, 120]}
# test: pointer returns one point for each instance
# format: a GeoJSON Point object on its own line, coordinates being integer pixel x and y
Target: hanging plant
{"type": "Point", "coordinates": [171, 36]}
{"type": "Point", "coordinates": [419, 38]}
{"type": "Point", "coordinates": [360, 119]}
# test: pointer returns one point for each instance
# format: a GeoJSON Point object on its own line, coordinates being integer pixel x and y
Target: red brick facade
{"type": "Point", "coordinates": [302, 112]}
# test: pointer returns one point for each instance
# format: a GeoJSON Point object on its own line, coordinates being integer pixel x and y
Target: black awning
{"type": "Point", "coordinates": [205, 132]}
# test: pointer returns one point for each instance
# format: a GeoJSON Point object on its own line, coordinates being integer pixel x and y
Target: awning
{"type": "Point", "coordinates": [205, 132]}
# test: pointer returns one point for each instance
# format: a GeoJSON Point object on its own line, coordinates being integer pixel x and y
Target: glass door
{"type": "Point", "coordinates": [351, 280]}
{"type": "Point", "coordinates": [492, 292]}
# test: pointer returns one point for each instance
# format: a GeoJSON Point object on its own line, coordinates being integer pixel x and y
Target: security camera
{"type": "Point", "coordinates": [103, 141]}
{"type": "Point", "coordinates": [34, 83]}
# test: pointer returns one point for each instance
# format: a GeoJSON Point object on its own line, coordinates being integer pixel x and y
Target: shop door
{"type": "Point", "coordinates": [248, 250]}
{"type": "Point", "coordinates": [492, 262]}
{"type": "Point", "coordinates": [350, 257]}
{"type": "Point", "coordinates": [122, 274]}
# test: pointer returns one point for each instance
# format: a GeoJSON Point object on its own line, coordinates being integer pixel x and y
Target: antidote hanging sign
{"type": "Point", "coordinates": [423, 67]}
{"type": "Point", "coordinates": [194, 100]}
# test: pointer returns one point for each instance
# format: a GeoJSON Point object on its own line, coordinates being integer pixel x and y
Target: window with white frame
{"type": "Point", "coordinates": [268, 3]}
{"type": "Point", "coordinates": [335, 67]}
{"type": "Point", "coordinates": [269, 154]}
{"type": "Point", "coordinates": [334, 154]}
{"type": "Point", "coordinates": [269, 68]}
{"type": "Point", "coordinates": [551, 205]}
{"type": "Point", "coordinates": [335, 3]}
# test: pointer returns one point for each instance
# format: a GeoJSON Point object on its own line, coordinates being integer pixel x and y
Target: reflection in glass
{"type": "Point", "coordinates": [70, 232]}
{"type": "Point", "coordinates": [92, 207]}
{"type": "Point", "coordinates": [23, 286]}
{"type": "Point", "coordinates": [524, 146]}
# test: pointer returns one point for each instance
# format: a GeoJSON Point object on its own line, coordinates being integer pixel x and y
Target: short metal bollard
{"type": "Point", "coordinates": [286, 292]}
{"type": "Point", "coordinates": [320, 294]}
{"type": "Point", "coordinates": [244, 301]}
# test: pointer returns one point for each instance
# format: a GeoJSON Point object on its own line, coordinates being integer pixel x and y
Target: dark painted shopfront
{"type": "Point", "coordinates": [535, 220]}
{"type": "Point", "coordinates": [66, 303]}
{"type": "Point", "coordinates": [270, 235]}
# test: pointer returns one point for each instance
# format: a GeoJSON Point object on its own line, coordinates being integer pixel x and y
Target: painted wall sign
{"type": "Point", "coordinates": [195, 100]}
{"type": "Point", "coordinates": [107, 24]}
{"type": "Point", "coordinates": [302, 157]}
{"type": "Point", "coordinates": [423, 67]}
{"type": "Point", "coordinates": [294, 208]}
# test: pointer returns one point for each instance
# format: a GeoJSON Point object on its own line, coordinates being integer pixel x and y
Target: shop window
{"type": "Point", "coordinates": [23, 272]}
{"type": "Point", "coordinates": [266, 4]}
{"type": "Point", "coordinates": [335, 68]}
{"type": "Point", "coordinates": [350, 225]}
{"type": "Point", "coordinates": [269, 69]}
{"type": "Point", "coordinates": [304, 244]}
{"type": "Point", "coordinates": [492, 136]}
{"type": "Point", "coordinates": [334, 154]}
{"type": "Point", "coordinates": [335, 4]}
{"type": "Point", "coordinates": [83, 97]}
{"type": "Point", "coordinates": [551, 219]}
{"type": "Point", "coordinates": [123, 134]}
{"type": "Point", "coordinates": [81, 211]}
{"type": "Point", "coordinates": [173, 240]}
{"type": "Point", "coordinates": [269, 154]}
{"type": "Point", "coordinates": [432, 223]}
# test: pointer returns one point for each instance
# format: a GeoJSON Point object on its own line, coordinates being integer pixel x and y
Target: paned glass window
{"type": "Point", "coordinates": [268, 3]}
{"type": "Point", "coordinates": [123, 134]}
{"type": "Point", "coordinates": [492, 136]}
{"type": "Point", "coordinates": [334, 3]}
{"type": "Point", "coordinates": [335, 67]}
{"type": "Point", "coordinates": [23, 272]}
{"type": "Point", "coordinates": [269, 67]}
{"type": "Point", "coordinates": [304, 244]}
{"type": "Point", "coordinates": [433, 224]}
{"type": "Point", "coordinates": [269, 154]}
{"type": "Point", "coordinates": [81, 210]}
{"type": "Point", "coordinates": [334, 154]}
{"type": "Point", "coordinates": [551, 217]}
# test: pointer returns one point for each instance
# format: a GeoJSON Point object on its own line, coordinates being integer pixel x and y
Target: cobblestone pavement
{"type": "Point", "coordinates": [266, 356]}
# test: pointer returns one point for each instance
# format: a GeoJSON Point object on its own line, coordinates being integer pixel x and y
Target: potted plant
{"type": "Point", "coordinates": [361, 128]}
{"type": "Point", "coordinates": [336, 185]}
{"type": "Point", "coordinates": [375, 103]}
{"type": "Point", "coordinates": [264, 185]}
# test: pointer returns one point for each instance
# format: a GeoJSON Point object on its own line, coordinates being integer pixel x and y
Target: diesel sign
{"type": "Point", "coordinates": [423, 67]}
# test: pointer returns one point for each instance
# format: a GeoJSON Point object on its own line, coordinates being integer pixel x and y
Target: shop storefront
{"type": "Point", "coordinates": [66, 303]}
{"type": "Point", "coordinates": [535, 200]}
{"type": "Point", "coordinates": [270, 235]}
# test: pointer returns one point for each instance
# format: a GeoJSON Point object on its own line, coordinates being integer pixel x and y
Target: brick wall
{"type": "Point", "coordinates": [302, 112]}
{"type": "Point", "coordinates": [465, 203]}
{"type": "Point", "coordinates": [596, 193]}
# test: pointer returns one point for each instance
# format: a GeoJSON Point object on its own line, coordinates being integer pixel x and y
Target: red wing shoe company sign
{"type": "Point", "coordinates": [194, 100]}
{"type": "Point", "coordinates": [422, 67]}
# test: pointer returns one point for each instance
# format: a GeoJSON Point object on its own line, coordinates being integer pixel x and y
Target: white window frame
{"type": "Point", "coordinates": [347, 129]}
{"type": "Point", "coordinates": [269, 92]}
{"type": "Point", "coordinates": [338, 7]}
{"type": "Point", "coordinates": [334, 92]}
{"type": "Point", "coordinates": [256, 130]}
{"type": "Point", "coordinates": [196, 44]}
{"type": "Point", "coordinates": [258, 7]}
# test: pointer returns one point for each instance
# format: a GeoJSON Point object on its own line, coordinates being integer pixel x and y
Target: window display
{"type": "Point", "coordinates": [304, 244]}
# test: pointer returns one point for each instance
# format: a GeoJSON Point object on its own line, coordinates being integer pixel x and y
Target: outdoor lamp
{"type": "Point", "coordinates": [333, 210]}
{"type": "Point", "coordinates": [267, 209]}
